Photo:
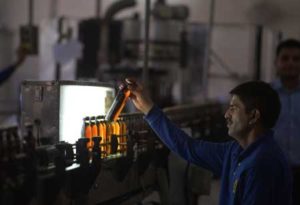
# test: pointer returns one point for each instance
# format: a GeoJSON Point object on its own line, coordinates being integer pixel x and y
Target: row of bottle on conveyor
{"type": "Point", "coordinates": [121, 137]}
{"type": "Point", "coordinates": [109, 127]}
{"type": "Point", "coordinates": [98, 127]}
{"type": "Point", "coordinates": [113, 130]}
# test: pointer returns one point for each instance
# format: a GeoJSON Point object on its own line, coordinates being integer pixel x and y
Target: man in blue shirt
{"type": "Point", "coordinates": [253, 169]}
{"type": "Point", "coordinates": [8, 71]}
{"type": "Point", "coordinates": [287, 128]}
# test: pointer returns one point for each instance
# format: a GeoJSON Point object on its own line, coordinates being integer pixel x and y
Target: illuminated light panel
{"type": "Point", "coordinates": [77, 102]}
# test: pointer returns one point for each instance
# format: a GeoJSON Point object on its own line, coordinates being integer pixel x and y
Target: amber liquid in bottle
{"type": "Point", "coordinates": [104, 136]}
{"type": "Point", "coordinates": [109, 132]}
{"type": "Point", "coordinates": [94, 130]}
{"type": "Point", "coordinates": [116, 131]}
{"type": "Point", "coordinates": [88, 131]}
{"type": "Point", "coordinates": [118, 103]}
{"type": "Point", "coordinates": [94, 127]}
{"type": "Point", "coordinates": [123, 129]}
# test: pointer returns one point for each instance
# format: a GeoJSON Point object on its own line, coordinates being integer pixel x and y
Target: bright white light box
{"type": "Point", "coordinates": [60, 106]}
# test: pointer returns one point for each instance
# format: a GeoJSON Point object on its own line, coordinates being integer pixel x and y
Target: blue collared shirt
{"type": "Point", "coordinates": [287, 129]}
{"type": "Point", "coordinates": [257, 175]}
{"type": "Point", "coordinates": [6, 73]}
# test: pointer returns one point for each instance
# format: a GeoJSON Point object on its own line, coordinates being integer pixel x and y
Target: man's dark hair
{"type": "Point", "coordinates": [289, 43]}
{"type": "Point", "coordinates": [261, 96]}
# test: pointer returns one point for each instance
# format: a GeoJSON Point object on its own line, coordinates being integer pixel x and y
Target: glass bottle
{"type": "Point", "coordinates": [118, 103]}
{"type": "Point", "coordinates": [88, 131]}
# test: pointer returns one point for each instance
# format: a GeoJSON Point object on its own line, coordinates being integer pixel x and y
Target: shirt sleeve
{"type": "Point", "coordinates": [6, 73]}
{"type": "Point", "coordinates": [205, 154]}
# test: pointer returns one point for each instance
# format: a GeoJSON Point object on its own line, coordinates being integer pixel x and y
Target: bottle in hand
{"type": "Point", "coordinates": [118, 103]}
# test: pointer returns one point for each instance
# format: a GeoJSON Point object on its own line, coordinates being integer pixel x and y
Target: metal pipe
{"type": "Point", "coordinates": [59, 40]}
{"type": "Point", "coordinates": [208, 48]}
{"type": "Point", "coordinates": [117, 7]}
{"type": "Point", "coordinates": [30, 12]}
{"type": "Point", "coordinates": [258, 52]}
{"type": "Point", "coordinates": [98, 8]}
{"type": "Point", "coordinates": [108, 17]}
{"type": "Point", "coordinates": [146, 44]}
{"type": "Point", "coordinates": [53, 9]}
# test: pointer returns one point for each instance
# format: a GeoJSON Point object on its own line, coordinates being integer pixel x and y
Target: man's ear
{"type": "Point", "coordinates": [255, 116]}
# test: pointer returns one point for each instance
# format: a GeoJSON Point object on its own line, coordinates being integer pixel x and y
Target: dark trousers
{"type": "Point", "coordinates": [296, 185]}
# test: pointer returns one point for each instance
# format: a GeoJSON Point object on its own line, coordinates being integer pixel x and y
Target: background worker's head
{"type": "Point", "coordinates": [287, 60]}
{"type": "Point", "coordinates": [253, 104]}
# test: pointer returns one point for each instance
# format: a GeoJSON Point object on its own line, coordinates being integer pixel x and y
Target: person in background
{"type": "Point", "coordinates": [8, 71]}
{"type": "Point", "coordinates": [287, 128]}
{"type": "Point", "coordinates": [252, 167]}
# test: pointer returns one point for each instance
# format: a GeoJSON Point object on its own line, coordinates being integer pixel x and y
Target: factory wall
{"type": "Point", "coordinates": [234, 20]}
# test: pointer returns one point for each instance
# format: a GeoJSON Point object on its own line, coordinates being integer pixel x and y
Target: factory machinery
{"type": "Point", "coordinates": [107, 168]}
{"type": "Point", "coordinates": [113, 162]}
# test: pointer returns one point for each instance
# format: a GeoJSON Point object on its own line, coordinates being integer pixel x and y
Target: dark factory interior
{"type": "Point", "coordinates": [149, 102]}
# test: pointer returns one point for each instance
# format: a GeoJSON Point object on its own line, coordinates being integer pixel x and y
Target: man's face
{"type": "Point", "coordinates": [237, 118]}
{"type": "Point", "coordinates": [288, 63]}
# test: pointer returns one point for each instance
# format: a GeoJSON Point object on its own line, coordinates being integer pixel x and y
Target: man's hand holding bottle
{"type": "Point", "coordinates": [139, 96]}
